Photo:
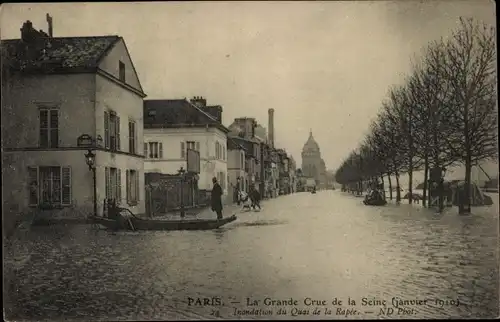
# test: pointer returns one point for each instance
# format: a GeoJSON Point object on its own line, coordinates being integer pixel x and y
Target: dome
{"type": "Point", "coordinates": [311, 144]}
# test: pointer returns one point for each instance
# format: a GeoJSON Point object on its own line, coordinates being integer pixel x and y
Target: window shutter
{"type": "Point", "coordinates": [44, 128]}
{"type": "Point", "coordinates": [137, 194]}
{"type": "Point", "coordinates": [128, 185]}
{"type": "Point", "coordinates": [54, 128]}
{"type": "Point", "coordinates": [198, 146]}
{"type": "Point", "coordinates": [108, 183]}
{"type": "Point", "coordinates": [145, 150]}
{"type": "Point", "coordinates": [66, 186]}
{"type": "Point", "coordinates": [183, 150]}
{"type": "Point", "coordinates": [117, 131]}
{"type": "Point", "coordinates": [106, 130]}
{"type": "Point", "coordinates": [33, 186]}
{"type": "Point", "coordinates": [131, 139]}
{"type": "Point", "coordinates": [161, 150]}
{"type": "Point", "coordinates": [119, 186]}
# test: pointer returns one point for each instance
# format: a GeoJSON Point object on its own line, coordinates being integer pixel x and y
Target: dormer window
{"type": "Point", "coordinates": [122, 71]}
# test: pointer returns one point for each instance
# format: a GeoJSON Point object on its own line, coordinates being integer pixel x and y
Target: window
{"type": "Point", "coordinates": [113, 184]}
{"type": "Point", "coordinates": [121, 67]}
{"type": "Point", "coordinates": [242, 160]}
{"type": "Point", "coordinates": [223, 152]}
{"type": "Point", "coordinates": [189, 145]}
{"type": "Point", "coordinates": [111, 131]}
{"type": "Point", "coordinates": [131, 137]}
{"type": "Point", "coordinates": [49, 128]}
{"type": "Point", "coordinates": [49, 185]}
{"type": "Point", "coordinates": [132, 187]}
{"type": "Point", "coordinates": [219, 151]}
{"type": "Point", "coordinates": [155, 150]}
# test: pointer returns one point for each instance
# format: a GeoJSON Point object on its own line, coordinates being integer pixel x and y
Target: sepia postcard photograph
{"type": "Point", "coordinates": [249, 160]}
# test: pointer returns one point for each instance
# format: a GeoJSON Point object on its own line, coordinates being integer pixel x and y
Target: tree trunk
{"type": "Point", "coordinates": [467, 187]}
{"type": "Point", "coordinates": [390, 185]}
{"type": "Point", "coordinates": [398, 191]}
{"type": "Point", "coordinates": [383, 185]}
{"type": "Point", "coordinates": [410, 183]}
{"type": "Point", "coordinates": [426, 173]}
{"type": "Point", "coordinates": [468, 164]}
{"type": "Point", "coordinates": [410, 158]}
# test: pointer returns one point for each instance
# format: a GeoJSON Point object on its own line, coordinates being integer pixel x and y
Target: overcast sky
{"type": "Point", "coordinates": [320, 65]}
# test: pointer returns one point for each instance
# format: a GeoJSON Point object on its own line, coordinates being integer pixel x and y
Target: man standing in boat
{"type": "Point", "coordinates": [216, 198]}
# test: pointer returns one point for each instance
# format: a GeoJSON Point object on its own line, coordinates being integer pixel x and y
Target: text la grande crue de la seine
{"type": "Point", "coordinates": [308, 301]}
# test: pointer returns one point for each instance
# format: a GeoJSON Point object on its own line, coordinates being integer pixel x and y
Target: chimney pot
{"type": "Point", "coordinates": [49, 22]}
{"type": "Point", "coordinates": [271, 127]}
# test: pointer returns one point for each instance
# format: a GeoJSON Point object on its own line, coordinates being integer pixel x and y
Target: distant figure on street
{"type": "Point", "coordinates": [216, 198]}
{"type": "Point", "coordinates": [255, 197]}
{"type": "Point", "coordinates": [244, 200]}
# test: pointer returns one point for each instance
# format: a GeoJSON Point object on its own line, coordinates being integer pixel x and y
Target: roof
{"type": "Point", "coordinates": [246, 143]}
{"type": "Point", "coordinates": [175, 113]}
{"type": "Point", "coordinates": [59, 53]}
{"type": "Point", "coordinates": [233, 145]}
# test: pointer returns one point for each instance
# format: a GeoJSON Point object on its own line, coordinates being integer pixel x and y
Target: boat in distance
{"type": "Point", "coordinates": [378, 202]}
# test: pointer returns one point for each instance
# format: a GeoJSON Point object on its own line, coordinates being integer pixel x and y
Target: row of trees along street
{"type": "Point", "coordinates": [443, 115]}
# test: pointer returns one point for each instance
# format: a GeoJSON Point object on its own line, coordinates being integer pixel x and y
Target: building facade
{"type": "Point", "coordinates": [236, 165]}
{"type": "Point", "coordinates": [172, 127]}
{"type": "Point", "coordinates": [313, 166]}
{"type": "Point", "coordinates": [292, 174]}
{"type": "Point", "coordinates": [56, 89]}
{"type": "Point", "coordinates": [243, 133]}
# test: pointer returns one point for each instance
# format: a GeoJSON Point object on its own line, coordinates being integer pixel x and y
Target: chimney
{"type": "Point", "coordinates": [199, 101]}
{"type": "Point", "coordinates": [271, 127]}
{"type": "Point", "coordinates": [27, 32]}
{"type": "Point", "coordinates": [249, 128]}
{"type": "Point", "coordinates": [49, 21]}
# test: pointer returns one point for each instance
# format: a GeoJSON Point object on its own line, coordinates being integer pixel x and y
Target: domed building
{"type": "Point", "coordinates": [313, 166]}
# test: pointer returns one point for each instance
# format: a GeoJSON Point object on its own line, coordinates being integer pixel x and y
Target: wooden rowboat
{"type": "Point", "coordinates": [136, 223]}
{"type": "Point", "coordinates": [381, 202]}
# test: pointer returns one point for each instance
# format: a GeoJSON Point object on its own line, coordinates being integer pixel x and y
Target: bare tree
{"type": "Point", "coordinates": [428, 93]}
{"type": "Point", "coordinates": [471, 73]}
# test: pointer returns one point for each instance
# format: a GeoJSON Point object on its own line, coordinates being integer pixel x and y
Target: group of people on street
{"type": "Point", "coordinates": [216, 198]}
{"type": "Point", "coordinates": [249, 201]}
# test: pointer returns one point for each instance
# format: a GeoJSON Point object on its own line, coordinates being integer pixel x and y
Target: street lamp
{"type": "Point", "coordinates": [181, 173]}
{"type": "Point", "coordinates": [91, 144]}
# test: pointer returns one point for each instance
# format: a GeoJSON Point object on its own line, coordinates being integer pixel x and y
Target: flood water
{"type": "Point", "coordinates": [321, 246]}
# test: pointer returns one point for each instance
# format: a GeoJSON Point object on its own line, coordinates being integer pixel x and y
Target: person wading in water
{"type": "Point", "coordinates": [216, 198]}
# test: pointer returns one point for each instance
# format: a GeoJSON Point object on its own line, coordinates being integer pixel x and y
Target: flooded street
{"type": "Point", "coordinates": [322, 247]}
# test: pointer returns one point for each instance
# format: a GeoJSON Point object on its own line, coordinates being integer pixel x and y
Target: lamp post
{"type": "Point", "coordinates": [91, 143]}
{"type": "Point", "coordinates": [181, 174]}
